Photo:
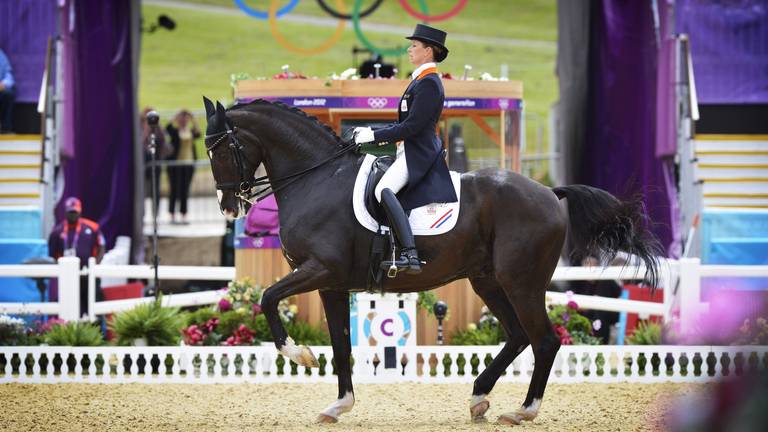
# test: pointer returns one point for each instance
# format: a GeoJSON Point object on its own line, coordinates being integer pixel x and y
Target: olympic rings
{"type": "Point", "coordinates": [393, 52]}
{"type": "Point", "coordinates": [434, 18]}
{"type": "Point", "coordinates": [372, 8]}
{"type": "Point", "coordinates": [264, 15]}
{"type": "Point", "coordinates": [307, 51]}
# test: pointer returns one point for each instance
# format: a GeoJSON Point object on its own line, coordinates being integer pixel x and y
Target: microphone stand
{"type": "Point", "coordinates": [152, 120]}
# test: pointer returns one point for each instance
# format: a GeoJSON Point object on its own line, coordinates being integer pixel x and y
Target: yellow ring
{"type": "Point", "coordinates": [273, 5]}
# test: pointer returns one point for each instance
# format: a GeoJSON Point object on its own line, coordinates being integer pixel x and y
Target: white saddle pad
{"type": "Point", "coordinates": [431, 219]}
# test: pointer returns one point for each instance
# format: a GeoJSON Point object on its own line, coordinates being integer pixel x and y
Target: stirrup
{"type": "Point", "coordinates": [395, 267]}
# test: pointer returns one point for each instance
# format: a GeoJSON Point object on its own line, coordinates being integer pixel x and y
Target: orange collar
{"type": "Point", "coordinates": [426, 72]}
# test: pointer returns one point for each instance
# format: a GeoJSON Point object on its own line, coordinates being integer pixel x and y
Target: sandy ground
{"type": "Point", "coordinates": [283, 407]}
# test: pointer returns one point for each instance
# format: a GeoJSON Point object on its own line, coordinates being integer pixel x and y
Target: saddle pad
{"type": "Point", "coordinates": [431, 219]}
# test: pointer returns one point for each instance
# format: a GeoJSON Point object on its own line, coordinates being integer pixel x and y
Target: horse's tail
{"type": "Point", "coordinates": [601, 225]}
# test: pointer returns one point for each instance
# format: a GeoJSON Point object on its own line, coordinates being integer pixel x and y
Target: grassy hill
{"type": "Point", "coordinates": [207, 46]}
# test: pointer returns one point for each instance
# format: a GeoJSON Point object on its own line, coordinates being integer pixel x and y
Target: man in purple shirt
{"type": "Point", "coordinates": [80, 237]}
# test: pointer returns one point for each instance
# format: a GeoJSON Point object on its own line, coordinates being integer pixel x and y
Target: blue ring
{"type": "Point", "coordinates": [264, 15]}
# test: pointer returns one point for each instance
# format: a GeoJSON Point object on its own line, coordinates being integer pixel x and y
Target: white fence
{"type": "Point", "coordinates": [427, 364]}
{"type": "Point", "coordinates": [681, 281]}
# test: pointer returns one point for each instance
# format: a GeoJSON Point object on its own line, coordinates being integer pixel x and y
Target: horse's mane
{"type": "Point", "coordinates": [297, 111]}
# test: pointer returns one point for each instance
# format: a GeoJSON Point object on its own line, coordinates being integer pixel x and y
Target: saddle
{"type": "Point", "coordinates": [380, 165]}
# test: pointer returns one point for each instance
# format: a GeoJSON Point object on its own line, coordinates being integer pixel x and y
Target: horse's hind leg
{"type": "Point", "coordinates": [494, 297]}
{"type": "Point", "coordinates": [531, 312]}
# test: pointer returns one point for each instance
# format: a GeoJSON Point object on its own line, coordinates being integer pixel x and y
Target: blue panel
{"type": "Point", "coordinates": [735, 237]}
{"type": "Point", "coordinates": [15, 252]}
{"type": "Point", "coordinates": [20, 223]}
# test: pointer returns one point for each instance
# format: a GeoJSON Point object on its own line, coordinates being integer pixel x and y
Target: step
{"type": "Point", "coordinates": [19, 158]}
{"type": "Point", "coordinates": [746, 188]}
{"type": "Point", "coordinates": [741, 144]}
{"type": "Point", "coordinates": [20, 201]}
{"type": "Point", "coordinates": [25, 187]}
{"type": "Point", "coordinates": [20, 143]}
{"type": "Point", "coordinates": [735, 202]}
{"type": "Point", "coordinates": [731, 174]}
{"type": "Point", "coordinates": [17, 173]}
{"type": "Point", "coordinates": [731, 159]}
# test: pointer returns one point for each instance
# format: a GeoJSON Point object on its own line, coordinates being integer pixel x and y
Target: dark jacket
{"type": "Point", "coordinates": [428, 178]}
{"type": "Point", "coordinates": [173, 134]}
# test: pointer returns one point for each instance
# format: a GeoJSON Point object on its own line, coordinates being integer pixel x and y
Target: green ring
{"type": "Point", "coordinates": [391, 52]}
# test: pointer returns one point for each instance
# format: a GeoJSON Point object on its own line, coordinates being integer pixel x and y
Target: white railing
{"type": "Point", "coordinates": [427, 364]}
{"type": "Point", "coordinates": [681, 280]}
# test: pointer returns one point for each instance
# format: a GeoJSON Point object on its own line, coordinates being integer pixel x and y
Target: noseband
{"type": "Point", "coordinates": [244, 188]}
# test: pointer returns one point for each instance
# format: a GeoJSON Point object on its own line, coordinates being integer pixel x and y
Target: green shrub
{"type": "Point", "coordinates": [646, 333]}
{"type": "Point", "coordinates": [74, 333]}
{"type": "Point", "coordinates": [485, 335]}
{"type": "Point", "coordinates": [159, 325]}
{"type": "Point", "coordinates": [304, 333]}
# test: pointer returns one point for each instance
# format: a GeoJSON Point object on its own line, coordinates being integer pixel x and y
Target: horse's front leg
{"type": "Point", "coordinates": [307, 277]}
{"type": "Point", "coordinates": [336, 305]}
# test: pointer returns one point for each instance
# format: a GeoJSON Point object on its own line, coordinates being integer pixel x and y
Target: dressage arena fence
{"type": "Point", "coordinates": [430, 364]}
{"type": "Point", "coordinates": [424, 364]}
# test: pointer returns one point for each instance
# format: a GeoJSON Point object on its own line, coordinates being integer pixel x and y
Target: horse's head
{"type": "Point", "coordinates": [233, 168]}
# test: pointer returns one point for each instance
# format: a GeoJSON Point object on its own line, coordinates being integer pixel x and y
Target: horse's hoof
{"type": "Point", "coordinates": [326, 419]}
{"type": "Point", "coordinates": [477, 412]}
{"type": "Point", "coordinates": [509, 419]}
{"type": "Point", "coordinates": [308, 359]}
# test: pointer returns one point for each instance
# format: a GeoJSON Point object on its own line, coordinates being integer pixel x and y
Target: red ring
{"type": "Point", "coordinates": [433, 18]}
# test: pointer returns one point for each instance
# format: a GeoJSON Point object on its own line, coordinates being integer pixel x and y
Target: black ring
{"type": "Point", "coordinates": [336, 14]}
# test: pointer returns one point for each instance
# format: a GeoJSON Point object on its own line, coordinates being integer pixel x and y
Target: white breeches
{"type": "Point", "coordinates": [396, 176]}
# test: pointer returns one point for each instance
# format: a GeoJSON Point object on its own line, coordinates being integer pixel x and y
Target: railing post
{"type": "Point", "coordinates": [69, 288]}
{"type": "Point", "coordinates": [690, 293]}
{"type": "Point", "coordinates": [91, 288]}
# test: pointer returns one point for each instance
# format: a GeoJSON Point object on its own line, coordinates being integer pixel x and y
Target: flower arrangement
{"type": "Point", "coordinates": [486, 331]}
{"type": "Point", "coordinates": [753, 333]}
{"type": "Point", "coordinates": [572, 327]}
{"type": "Point", "coordinates": [241, 295]}
{"type": "Point", "coordinates": [12, 330]}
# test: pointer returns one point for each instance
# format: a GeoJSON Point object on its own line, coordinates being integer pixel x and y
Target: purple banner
{"type": "Point", "coordinates": [266, 242]}
{"type": "Point", "coordinates": [729, 48]}
{"type": "Point", "coordinates": [381, 102]}
{"type": "Point", "coordinates": [25, 27]}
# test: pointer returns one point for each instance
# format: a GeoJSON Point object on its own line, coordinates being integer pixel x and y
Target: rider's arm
{"type": "Point", "coordinates": [422, 109]}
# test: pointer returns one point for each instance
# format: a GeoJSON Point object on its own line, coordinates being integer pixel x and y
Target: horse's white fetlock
{"type": "Point", "coordinates": [521, 414]}
{"type": "Point", "coordinates": [340, 406]}
{"type": "Point", "coordinates": [478, 406]}
{"type": "Point", "coordinates": [301, 355]}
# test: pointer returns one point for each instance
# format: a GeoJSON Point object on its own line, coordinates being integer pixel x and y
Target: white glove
{"type": "Point", "coordinates": [363, 135]}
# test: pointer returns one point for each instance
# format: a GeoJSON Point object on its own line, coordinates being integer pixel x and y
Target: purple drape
{"type": "Point", "coordinates": [729, 48]}
{"type": "Point", "coordinates": [99, 111]}
{"type": "Point", "coordinates": [25, 27]}
{"type": "Point", "coordinates": [620, 147]}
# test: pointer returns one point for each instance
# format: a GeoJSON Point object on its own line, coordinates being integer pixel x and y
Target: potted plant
{"type": "Point", "coordinates": [148, 324]}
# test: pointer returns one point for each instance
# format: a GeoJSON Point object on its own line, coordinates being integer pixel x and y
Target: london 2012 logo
{"type": "Point", "coordinates": [377, 102]}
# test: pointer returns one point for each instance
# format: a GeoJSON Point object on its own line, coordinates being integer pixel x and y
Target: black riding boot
{"type": "Point", "coordinates": [398, 222]}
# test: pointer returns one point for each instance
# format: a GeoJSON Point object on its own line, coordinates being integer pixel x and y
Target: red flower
{"type": "Point", "coordinates": [572, 305]}
{"type": "Point", "coordinates": [224, 305]}
{"type": "Point", "coordinates": [256, 309]}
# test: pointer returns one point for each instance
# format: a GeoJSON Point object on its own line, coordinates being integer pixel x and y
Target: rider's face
{"type": "Point", "coordinates": [418, 53]}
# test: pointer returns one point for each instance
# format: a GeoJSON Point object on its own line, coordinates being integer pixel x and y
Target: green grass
{"type": "Point", "coordinates": [197, 58]}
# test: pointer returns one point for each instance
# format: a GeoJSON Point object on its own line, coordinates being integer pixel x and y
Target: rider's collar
{"type": "Point", "coordinates": [422, 68]}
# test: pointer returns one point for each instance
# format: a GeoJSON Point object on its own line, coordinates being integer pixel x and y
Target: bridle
{"type": "Point", "coordinates": [243, 189]}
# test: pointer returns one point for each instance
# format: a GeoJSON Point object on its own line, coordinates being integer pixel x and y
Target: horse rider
{"type": "Point", "coordinates": [419, 172]}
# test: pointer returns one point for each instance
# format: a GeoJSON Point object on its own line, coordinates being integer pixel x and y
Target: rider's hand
{"type": "Point", "coordinates": [363, 135]}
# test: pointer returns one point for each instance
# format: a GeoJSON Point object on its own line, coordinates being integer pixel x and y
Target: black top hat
{"type": "Point", "coordinates": [431, 36]}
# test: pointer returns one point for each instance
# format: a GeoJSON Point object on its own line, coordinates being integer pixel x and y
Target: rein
{"type": "Point", "coordinates": [244, 189]}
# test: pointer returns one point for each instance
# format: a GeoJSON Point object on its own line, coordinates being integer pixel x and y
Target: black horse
{"type": "Point", "coordinates": [507, 240]}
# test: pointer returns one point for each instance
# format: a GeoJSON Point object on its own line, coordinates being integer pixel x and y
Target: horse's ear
{"type": "Point", "coordinates": [209, 109]}
{"type": "Point", "coordinates": [221, 115]}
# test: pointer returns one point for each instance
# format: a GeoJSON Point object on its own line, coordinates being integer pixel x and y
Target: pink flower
{"type": "Point", "coordinates": [256, 308]}
{"type": "Point", "coordinates": [597, 324]}
{"type": "Point", "coordinates": [572, 305]}
{"type": "Point", "coordinates": [569, 294]}
{"type": "Point", "coordinates": [224, 305]}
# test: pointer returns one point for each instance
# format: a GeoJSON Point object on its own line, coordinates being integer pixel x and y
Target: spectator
{"type": "Point", "coordinates": [162, 151]}
{"type": "Point", "coordinates": [603, 288]}
{"type": "Point", "coordinates": [80, 237]}
{"type": "Point", "coordinates": [7, 94]}
{"type": "Point", "coordinates": [183, 131]}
